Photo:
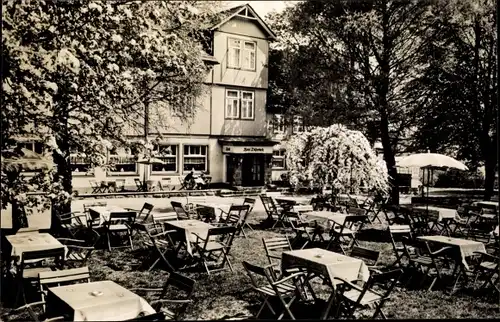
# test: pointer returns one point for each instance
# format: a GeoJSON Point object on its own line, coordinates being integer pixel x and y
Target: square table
{"type": "Point", "coordinates": [105, 211]}
{"type": "Point", "coordinates": [336, 217]}
{"type": "Point", "coordinates": [95, 301]}
{"type": "Point", "coordinates": [31, 241]}
{"type": "Point", "coordinates": [190, 227]}
{"type": "Point", "coordinates": [219, 208]}
{"type": "Point", "coordinates": [444, 213]}
{"type": "Point", "coordinates": [328, 264]}
{"type": "Point", "coordinates": [465, 247]}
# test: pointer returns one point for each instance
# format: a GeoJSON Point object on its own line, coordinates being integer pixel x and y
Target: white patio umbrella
{"type": "Point", "coordinates": [430, 161]}
{"type": "Point", "coordinates": [147, 161]}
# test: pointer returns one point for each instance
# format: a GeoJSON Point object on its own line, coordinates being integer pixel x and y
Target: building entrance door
{"type": "Point", "coordinates": [253, 170]}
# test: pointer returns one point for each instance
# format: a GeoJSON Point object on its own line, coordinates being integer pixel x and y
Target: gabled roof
{"type": "Point", "coordinates": [245, 11]}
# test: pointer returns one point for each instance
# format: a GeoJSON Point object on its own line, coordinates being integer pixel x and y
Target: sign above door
{"type": "Point", "coordinates": [247, 149]}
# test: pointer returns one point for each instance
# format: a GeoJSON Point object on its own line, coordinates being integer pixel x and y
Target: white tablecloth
{"type": "Point", "coordinates": [105, 211]}
{"type": "Point", "coordinates": [326, 263]}
{"type": "Point", "coordinates": [465, 247]}
{"type": "Point", "coordinates": [443, 212]}
{"type": "Point", "coordinates": [190, 227]}
{"type": "Point", "coordinates": [31, 242]}
{"type": "Point", "coordinates": [96, 301]}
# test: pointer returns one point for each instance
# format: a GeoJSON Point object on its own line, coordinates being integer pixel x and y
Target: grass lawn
{"type": "Point", "coordinates": [228, 294]}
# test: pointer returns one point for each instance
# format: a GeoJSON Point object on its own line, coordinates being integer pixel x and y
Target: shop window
{"type": "Point", "coordinates": [168, 154]}
{"type": "Point", "coordinates": [123, 160]}
{"type": "Point", "coordinates": [195, 157]}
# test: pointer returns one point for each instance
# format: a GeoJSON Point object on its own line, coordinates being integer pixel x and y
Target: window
{"type": "Point", "coordinates": [279, 159]}
{"type": "Point", "coordinates": [195, 157]}
{"type": "Point", "coordinates": [123, 161]}
{"type": "Point", "coordinates": [168, 154]}
{"type": "Point", "coordinates": [241, 54]}
{"type": "Point", "coordinates": [278, 123]}
{"type": "Point", "coordinates": [298, 124]}
{"type": "Point", "coordinates": [36, 147]}
{"type": "Point", "coordinates": [79, 162]}
{"type": "Point", "coordinates": [247, 105]}
{"type": "Point", "coordinates": [232, 104]}
{"type": "Point", "coordinates": [240, 100]}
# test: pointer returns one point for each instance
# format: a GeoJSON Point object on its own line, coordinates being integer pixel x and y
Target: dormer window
{"type": "Point", "coordinates": [241, 54]}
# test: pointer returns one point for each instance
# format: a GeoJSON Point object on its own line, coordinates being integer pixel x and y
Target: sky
{"type": "Point", "coordinates": [262, 7]}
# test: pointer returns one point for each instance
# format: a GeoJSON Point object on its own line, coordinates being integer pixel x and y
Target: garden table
{"type": "Point", "coordinates": [464, 248]}
{"type": "Point", "coordinates": [336, 217]}
{"type": "Point", "coordinates": [218, 207]}
{"type": "Point", "coordinates": [105, 211]}
{"type": "Point", "coordinates": [31, 241]}
{"type": "Point", "coordinates": [95, 301]}
{"type": "Point", "coordinates": [321, 262]}
{"type": "Point", "coordinates": [190, 227]}
{"type": "Point", "coordinates": [487, 203]}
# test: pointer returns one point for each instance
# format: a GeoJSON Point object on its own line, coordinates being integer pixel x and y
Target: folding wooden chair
{"type": "Point", "coordinates": [428, 262]}
{"type": "Point", "coordinates": [303, 229]}
{"type": "Point", "coordinates": [347, 232]}
{"type": "Point", "coordinates": [274, 247]}
{"type": "Point", "coordinates": [161, 218]}
{"type": "Point", "coordinates": [466, 214]}
{"type": "Point", "coordinates": [179, 209]}
{"type": "Point", "coordinates": [34, 262]}
{"type": "Point", "coordinates": [72, 223]}
{"type": "Point", "coordinates": [217, 244]}
{"type": "Point", "coordinates": [62, 277]}
{"type": "Point", "coordinates": [140, 185]}
{"type": "Point", "coordinates": [397, 233]}
{"type": "Point", "coordinates": [78, 253]}
{"type": "Point", "coordinates": [143, 214]}
{"type": "Point", "coordinates": [237, 216]}
{"type": "Point", "coordinates": [206, 214]}
{"type": "Point", "coordinates": [177, 285]}
{"type": "Point", "coordinates": [285, 289]}
{"type": "Point", "coordinates": [159, 243]}
{"type": "Point", "coordinates": [487, 268]}
{"type": "Point", "coordinates": [165, 184]}
{"type": "Point", "coordinates": [96, 187]}
{"type": "Point", "coordinates": [251, 203]}
{"type": "Point", "coordinates": [270, 208]}
{"type": "Point", "coordinates": [119, 223]}
{"type": "Point", "coordinates": [378, 206]}
{"type": "Point", "coordinates": [369, 256]}
{"type": "Point", "coordinates": [376, 291]}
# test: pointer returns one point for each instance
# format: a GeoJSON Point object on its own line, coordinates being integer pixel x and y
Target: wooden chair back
{"type": "Point", "coordinates": [275, 246]}
{"type": "Point", "coordinates": [145, 211]}
{"type": "Point", "coordinates": [161, 218]}
{"type": "Point", "coordinates": [34, 257]}
{"type": "Point", "coordinates": [237, 214]}
{"type": "Point", "coordinates": [250, 202]}
{"type": "Point", "coordinates": [206, 214]}
{"type": "Point", "coordinates": [221, 234]}
{"type": "Point", "coordinates": [369, 256]}
{"type": "Point", "coordinates": [356, 211]}
{"type": "Point", "coordinates": [257, 273]}
{"type": "Point", "coordinates": [269, 207]}
{"type": "Point", "coordinates": [179, 209]}
{"type": "Point", "coordinates": [63, 277]}
{"type": "Point", "coordinates": [126, 217]}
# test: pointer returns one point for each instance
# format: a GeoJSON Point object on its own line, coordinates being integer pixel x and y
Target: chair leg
{"type": "Point", "coordinates": [264, 304]}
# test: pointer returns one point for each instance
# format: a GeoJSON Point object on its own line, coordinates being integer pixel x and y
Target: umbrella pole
{"type": "Point", "coordinates": [428, 182]}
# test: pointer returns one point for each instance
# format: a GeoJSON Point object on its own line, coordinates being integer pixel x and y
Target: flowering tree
{"type": "Point", "coordinates": [83, 73]}
{"type": "Point", "coordinates": [337, 156]}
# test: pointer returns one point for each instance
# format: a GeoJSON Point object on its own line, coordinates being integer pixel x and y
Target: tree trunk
{"type": "Point", "coordinates": [390, 161]}
{"type": "Point", "coordinates": [64, 174]}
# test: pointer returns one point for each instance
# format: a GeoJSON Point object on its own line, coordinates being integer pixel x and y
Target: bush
{"type": "Point", "coordinates": [453, 178]}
